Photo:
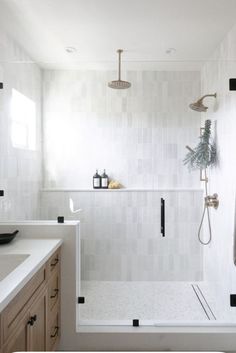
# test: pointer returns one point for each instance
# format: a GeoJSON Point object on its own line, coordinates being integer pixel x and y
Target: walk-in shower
{"type": "Point", "coordinates": [152, 274]}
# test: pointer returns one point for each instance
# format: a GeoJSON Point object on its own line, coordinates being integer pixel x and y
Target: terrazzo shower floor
{"type": "Point", "coordinates": [159, 301]}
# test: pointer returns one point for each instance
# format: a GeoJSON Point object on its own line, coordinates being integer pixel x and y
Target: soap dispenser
{"type": "Point", "coordinates": [104, 180]}
{"type": "Point", "coordinates": [97, 180]}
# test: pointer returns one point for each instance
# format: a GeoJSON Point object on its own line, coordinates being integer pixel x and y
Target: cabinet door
{"type": "Point", "coordinates": [37, 341]}
{"type": "Point", "coordinates": [20, 341]}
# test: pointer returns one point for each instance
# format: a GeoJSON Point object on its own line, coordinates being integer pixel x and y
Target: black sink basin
{"type": "Point", "coordinates": [7, 237]}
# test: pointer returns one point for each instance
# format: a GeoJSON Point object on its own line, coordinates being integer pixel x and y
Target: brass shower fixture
{"type": "Point", "coordinates": [119, 83]}
{"type": "Point", "coordinates": [198, 106]}
{"type": "Point", "coordinates": [212, 201]}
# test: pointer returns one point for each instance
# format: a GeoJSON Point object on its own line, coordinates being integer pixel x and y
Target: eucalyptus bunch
{"type": "Point", "coordinates": [204, 154]}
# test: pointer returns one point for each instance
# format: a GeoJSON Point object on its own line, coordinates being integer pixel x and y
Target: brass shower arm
{"type": "Point", "coordinates": [206, 95]}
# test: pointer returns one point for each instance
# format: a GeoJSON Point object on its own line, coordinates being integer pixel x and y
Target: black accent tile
{"type": "Point", "coordinates": [1, 85]}
{"type": "Point", "coordinates": [1, 192]}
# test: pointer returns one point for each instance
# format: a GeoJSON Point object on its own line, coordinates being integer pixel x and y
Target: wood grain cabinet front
{"type": "Point", "coordinates": [31, 321]}
{"type": "Point", "coordinates": [20, 340]}
{"type": "Point", "coordinates": [38, 324]}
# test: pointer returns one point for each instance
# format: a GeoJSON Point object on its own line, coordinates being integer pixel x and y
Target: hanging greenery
{"type": "Point", "coordinates": [204, 154]}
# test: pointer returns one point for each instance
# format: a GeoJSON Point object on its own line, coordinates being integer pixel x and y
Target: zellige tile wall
{"type": "Point", "coordinates": [120, 234]}
{"type": "Point", "coordinates": [138, 135]}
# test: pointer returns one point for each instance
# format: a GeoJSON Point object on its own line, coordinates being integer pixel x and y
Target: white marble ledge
{"type": "Point", "coordinates": [39, 251]}
{"type": "Point", "coordinates": [125, 190]}
{"type": "Point", "coordinates": [39, 223]}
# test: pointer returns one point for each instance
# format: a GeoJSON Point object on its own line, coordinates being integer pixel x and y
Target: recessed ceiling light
{"type": "Point", "coordinates": [170, 51]}
{"type": "Point", "coordinates": [70, 50]}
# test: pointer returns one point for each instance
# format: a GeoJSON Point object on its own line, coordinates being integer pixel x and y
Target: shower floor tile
{"type": "Point", "coordinates": [160, 301]}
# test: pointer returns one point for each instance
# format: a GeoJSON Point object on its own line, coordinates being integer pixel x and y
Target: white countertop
{"type": "Point", "coordinates": [39, 250]}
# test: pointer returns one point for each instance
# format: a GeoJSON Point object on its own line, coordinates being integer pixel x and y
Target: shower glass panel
{"type": "Point", "coordinates": [142, 262]}
{"type": "Point", "coordinates": [131, 269]}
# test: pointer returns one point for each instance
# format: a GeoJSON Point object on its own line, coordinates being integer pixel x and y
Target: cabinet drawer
{"type": "Point", "coordinates": [54, 331]}
{"type": "Point", "coordinates": [18, 307]}
{"type": "Point", "coordinates": [53, 263]}
{"type": "Point", "coordinates": [54, 290]}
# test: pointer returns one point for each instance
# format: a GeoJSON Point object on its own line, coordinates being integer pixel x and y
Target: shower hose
{"type": "Point", "coordinates": [206, 208]}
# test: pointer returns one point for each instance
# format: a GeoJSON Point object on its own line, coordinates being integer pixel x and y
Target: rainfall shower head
{"type": "Point", "coordinates": [199, 106]}
{"type": "Point", "coordinates": [119, 84]}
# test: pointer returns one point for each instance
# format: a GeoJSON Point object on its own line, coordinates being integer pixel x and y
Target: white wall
{"type": "Point", "coordinates": [120, 233]}
{"type": "Point", "coordinates": [219, 268]}
{"type": "Point", "coordinates": [138, 135]}
{"type": "Point", "coordinates": [20, 169]}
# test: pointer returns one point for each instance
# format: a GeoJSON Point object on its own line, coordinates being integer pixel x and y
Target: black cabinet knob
{"type": "Point", "coordinates": [32, 320]}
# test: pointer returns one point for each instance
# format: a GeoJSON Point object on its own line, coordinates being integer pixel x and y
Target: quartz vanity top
{"type": "Point", "coordinates": [38, 251]}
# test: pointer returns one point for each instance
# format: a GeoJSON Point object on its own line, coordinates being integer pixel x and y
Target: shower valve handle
{"type": "Point", "coordinates": [212, 201]}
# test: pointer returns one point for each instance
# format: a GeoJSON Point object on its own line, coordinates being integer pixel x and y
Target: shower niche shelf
{"type": "Point", "coordinates": [124, 190]}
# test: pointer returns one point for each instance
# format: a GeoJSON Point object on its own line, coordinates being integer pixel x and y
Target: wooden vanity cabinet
{"type": "Point", "coordinates": [38, 325]}
{"type": "Point", "coordinates": [20, 340]}
{"type": "Point", "coordinates": [31, 321]}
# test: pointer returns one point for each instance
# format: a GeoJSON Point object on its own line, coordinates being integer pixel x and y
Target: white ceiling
{"type": "Point", "coordinates": [144, 28]}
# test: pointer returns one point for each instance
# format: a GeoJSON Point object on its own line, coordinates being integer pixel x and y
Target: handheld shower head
{"type": "Point", "coordinates": [199, 106]}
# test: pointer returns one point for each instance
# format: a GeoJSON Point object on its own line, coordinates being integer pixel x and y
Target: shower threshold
{"type": "Point", "coordinates": [152, 303]}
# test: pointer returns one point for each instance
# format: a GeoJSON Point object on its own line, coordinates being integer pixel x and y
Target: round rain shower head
{"type": "Point", "coordinates": [119, 84]}
{"type": "Point", "coordinates": [199, 106]}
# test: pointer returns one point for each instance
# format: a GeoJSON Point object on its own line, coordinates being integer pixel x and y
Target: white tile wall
{"type": "Point", "coordinates": [121, 238]}
{"type": "Point", "coordinates": [219, 268]}
{"type": "Point", "coordinates": [138, 135]}
{"type": "Point", "coordinates": [20, 170]}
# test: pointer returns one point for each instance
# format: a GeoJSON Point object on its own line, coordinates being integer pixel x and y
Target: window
{"type": "Point", "coordinates": [23, 121]}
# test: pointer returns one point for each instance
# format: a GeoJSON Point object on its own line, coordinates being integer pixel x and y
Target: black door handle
{"type": "Point", "coordinates": [162, 217]}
